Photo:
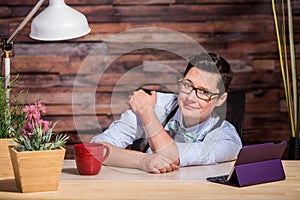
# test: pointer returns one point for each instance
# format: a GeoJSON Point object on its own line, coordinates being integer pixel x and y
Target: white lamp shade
{"type": "Point", "coordinates": [59, 22]}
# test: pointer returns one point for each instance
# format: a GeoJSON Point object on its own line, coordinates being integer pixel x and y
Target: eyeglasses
{"type": "Point", "coordinates": [201, 93]}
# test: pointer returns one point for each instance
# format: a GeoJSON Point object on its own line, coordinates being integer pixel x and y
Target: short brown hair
{"type": "Point", "coordinates": [213, 63]}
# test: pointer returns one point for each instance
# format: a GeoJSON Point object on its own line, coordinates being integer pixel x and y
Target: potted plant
{"type": "Point", "coordinates": [10, 121]}
{"type": "Point", "coordinates": [37, 153]}
{"type": "Point", "coordinates": [287, 55]}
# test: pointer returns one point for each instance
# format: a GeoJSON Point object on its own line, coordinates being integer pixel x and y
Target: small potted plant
{"type": "Point", "coordinates": [37, 153]}
{"type": "Point", "coordinates": [10, 121]}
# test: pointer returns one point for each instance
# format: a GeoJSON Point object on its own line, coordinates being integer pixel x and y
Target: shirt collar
{"type": "Point", "coordinates": [201, 129]}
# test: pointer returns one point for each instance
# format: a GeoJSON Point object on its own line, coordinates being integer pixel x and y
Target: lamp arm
{"type": "Point", "coordinates": [7, 45]}
{"type": "Point", "coordinates": [25, 21]}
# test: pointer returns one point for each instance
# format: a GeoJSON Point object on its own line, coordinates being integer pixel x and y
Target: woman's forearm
{"type": "Point", "coordinates": [159, 140]}
{"type": "Point", "coordinates": [154, 163]}
{"type": "Point", "coordinates": [123, 158]}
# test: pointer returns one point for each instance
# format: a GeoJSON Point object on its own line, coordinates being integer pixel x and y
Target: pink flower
{"type": "Point", "coordinates": [27, 130]}
{"type": "Point", "coordinates": [46, 126]}
{"type": "Point", "coordinates": [33, 116]}
{"type": "Point", "coordinates": [32, 112]}
{"type": "Point", "coordinates": [40, 107]}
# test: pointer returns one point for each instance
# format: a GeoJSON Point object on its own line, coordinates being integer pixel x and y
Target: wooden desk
{"type": "Point", "coordinates": [186, 183]}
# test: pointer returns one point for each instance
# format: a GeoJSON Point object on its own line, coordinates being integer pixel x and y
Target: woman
{"type": "Point", "coordinates": [195, 134]}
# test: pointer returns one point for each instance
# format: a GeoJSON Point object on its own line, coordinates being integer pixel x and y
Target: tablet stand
{"type": "Point", "coordinates": [260, 163]}
{"type": "Point", "coordinates": [258, 172]}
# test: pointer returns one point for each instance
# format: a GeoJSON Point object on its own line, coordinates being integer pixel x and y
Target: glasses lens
{"type": "Point", "coordinates": [185, 87]}
{"type": "Point", "coordinates": [202, 94]}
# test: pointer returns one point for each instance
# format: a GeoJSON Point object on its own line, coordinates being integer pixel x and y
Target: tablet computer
{"type": "Point", "coordinates": [255, 164]}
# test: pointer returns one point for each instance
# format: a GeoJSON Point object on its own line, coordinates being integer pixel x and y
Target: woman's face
{"type": "Point", "coordinates": [195, 110]}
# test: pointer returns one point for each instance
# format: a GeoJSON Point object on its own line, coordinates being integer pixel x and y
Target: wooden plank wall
{"type": "Point", "coordinates": [242, 31]}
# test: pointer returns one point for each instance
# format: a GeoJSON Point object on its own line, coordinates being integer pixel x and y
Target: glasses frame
{"type": "Point", "coordinates": [209, 94]}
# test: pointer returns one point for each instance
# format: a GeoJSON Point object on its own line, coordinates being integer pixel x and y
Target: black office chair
{"type": "Point", "coordinates": [235, 111]}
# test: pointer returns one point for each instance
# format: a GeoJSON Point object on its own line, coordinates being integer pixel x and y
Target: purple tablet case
{"type": "Point", "coordinates": [256, 164]}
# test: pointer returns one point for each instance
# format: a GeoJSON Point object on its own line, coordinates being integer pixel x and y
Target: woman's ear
{"type": "Point", "coordinates": [222, 99]}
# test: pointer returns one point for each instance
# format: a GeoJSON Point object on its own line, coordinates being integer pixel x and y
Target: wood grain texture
{"type": "Point", "coordinates": [186, 183]}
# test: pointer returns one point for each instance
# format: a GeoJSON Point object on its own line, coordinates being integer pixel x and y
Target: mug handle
{"type": "Point", "coordinates": [107, 152]}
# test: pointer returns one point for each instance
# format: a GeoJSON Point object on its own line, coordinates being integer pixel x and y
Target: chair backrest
{"type": "Point", "coordinates": [235, 111]}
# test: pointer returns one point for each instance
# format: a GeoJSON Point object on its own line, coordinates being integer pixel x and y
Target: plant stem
{"type": "Point", "coordinates": [284, 64]}
{"type": "Point", "coordinates": [293, 66]}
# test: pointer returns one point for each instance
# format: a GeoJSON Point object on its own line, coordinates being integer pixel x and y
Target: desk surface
{"type": "Point", "coordinates": [186, 183]}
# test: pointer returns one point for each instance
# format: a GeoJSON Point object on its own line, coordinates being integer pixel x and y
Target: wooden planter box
{"type": "Point", "coordinates": [6, 170]}
{"type": "Point", "coordinates": [37, 171]}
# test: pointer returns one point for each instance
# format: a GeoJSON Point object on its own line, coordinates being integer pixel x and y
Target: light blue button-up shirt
{"type": "Point", "coordinates": [213, 144]}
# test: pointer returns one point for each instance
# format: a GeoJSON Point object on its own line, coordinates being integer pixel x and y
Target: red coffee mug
{"type": "Point", "coordinates": [89, 157]}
